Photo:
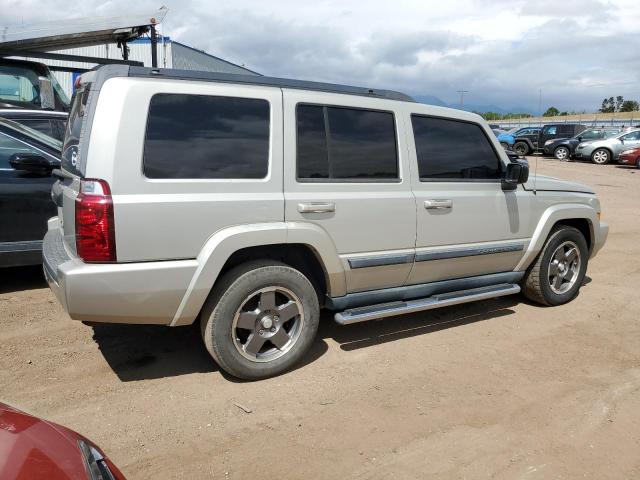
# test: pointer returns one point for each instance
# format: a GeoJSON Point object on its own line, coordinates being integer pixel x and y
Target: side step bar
{"type": "Point", "coordinates": [373, 312]}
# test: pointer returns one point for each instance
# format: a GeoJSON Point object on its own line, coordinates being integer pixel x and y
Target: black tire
{"type": "Point", "coordinates": [601, 156]}
{"type": "Point", "coordinates": [521, 148]}
{"type": "Point", "coordinates": [229, 295]}
{"type": "Point", "coordinates": [638, 162]}
{"type": "Point", "coordinates": [536, 284]}
{"type": "Point", "coordinates": [562, 154]}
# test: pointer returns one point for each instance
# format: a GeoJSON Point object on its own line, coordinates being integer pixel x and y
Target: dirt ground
{"type": "Point", "coordinates": [496, 389]}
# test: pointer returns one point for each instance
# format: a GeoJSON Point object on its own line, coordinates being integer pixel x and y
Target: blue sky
{"type": "Point", "coordinates": [502, 52]}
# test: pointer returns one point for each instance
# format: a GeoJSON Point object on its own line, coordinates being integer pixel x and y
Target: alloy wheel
{"type": "Point", "coordinates": [267, 324]}
{"type": "Point", "coordinates": [564, 267]}
{"type": "Point", "coordinates": [562, 153]}
{"type": "Point", "coordinates": [600, 157]}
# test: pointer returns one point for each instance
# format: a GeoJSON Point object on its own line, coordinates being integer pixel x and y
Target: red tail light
{"type": "Point", "coordinates": [95, 232]}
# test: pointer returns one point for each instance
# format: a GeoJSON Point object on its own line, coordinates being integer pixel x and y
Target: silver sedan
{"type": "Point", "coordinates": [603, 151]}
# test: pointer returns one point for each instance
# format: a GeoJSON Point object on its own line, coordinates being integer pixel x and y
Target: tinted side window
{"type": "Point", "coordinates": [449, 149]}
{"type": "Point", "coordinates": [43, 126]}
{"type": "Point", "coordinates": [549, 130]}
{"type": "Point", "coordinates": [312, 153]}
{"type": "Point", "coordinates": [203, 136]}
{"type": "Point", "coordinates": [337, 143]}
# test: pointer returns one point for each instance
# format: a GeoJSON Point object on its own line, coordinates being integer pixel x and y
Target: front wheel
{"type": "Point", "coordinates": [601, 156]}
{"type": "Point", "coordinates": [561, 153]}
{"type": "Point", "coordinates": [558, 272]}
{"type": "Point", "coordinates": [521, 148]}
{"type": "Point", "coordinates": [260, 319]}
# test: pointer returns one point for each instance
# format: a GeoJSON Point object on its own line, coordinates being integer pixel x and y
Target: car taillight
{"type": "Point", "coordinates": [95, 232]}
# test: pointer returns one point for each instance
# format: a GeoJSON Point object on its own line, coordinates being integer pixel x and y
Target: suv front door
{"type": "Point", "coordinates": [467, 225]}
{"type": "Point", "coordinates": [346, 173]}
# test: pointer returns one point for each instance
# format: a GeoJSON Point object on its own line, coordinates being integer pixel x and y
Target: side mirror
{"type": "Point", "coordinates": [579, 139]}
{"type": "Point", "coordinates": [516, 172]}
{"type": "Point", "coordinates": [32, 163]}
{"type": "Point", "coordinates": [47, 98]}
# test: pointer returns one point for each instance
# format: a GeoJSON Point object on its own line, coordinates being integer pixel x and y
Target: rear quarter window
{"type": "Point", "coordinates": [206, 137]}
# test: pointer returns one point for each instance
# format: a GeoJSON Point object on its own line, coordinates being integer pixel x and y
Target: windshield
{"type": "Point", "coordinates": [22, 84]}
{"type": "Point", "coordinates": [19, 84]}
{"type": "Point", "coordinates": [35, 134]}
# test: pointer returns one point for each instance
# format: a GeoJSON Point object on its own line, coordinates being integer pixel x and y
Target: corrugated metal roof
{"type": "Point", "coordinates": [188, 58]}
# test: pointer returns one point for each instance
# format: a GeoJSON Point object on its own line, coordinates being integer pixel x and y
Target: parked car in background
{"type": "Point", "coordinates": [27, 158]}
{"type": "Point", "coordinates": [506, 140]}
{"type": "Point", "coordinates": [526, 144]}
{"type": "Point", "coordinates": [26, 84]}
{"type": "Point", "coordinates": [564, 148]}
{"type": "Point", "coordinates": [630, 156]}
{"type": "Point", "coordinates": [604, 151]}
{"type": "Point", "coordinates": [49, 122]}
{"type": "Point", "coordinates": [35, 449]}
{"type": "Point", "coordinates": [291, 196]}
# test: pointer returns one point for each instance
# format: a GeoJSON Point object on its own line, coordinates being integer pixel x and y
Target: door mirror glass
{"type": "Point", "coordinates": [32, 163]}
{"type": "Point", "coordinates": [47, 99]}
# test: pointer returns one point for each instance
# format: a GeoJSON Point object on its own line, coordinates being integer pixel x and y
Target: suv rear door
{"type": "Point", "coordinates": [346, 172]}
{"type": "Point", "coordinates": [466, 224]}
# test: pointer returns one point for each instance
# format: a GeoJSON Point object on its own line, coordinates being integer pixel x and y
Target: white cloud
{"type": "Point", "coordinates": [502, 51]}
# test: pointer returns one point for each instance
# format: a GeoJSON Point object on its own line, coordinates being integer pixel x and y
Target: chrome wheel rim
{"type": "Point", "coordinates": [600, 156]}
{"type": "Point", "coordinates": [562, 153]}
{"type": "Point", "coordinates": [564, 267]}
{"type": "Point", "coordinates": [267, 324]}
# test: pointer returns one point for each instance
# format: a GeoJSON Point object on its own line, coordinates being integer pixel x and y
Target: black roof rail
{"type": "Point", "coordinates": [266, 81]}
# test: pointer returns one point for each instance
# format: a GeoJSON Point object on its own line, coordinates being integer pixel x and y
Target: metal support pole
{"type": "Point", "coordinates": [154, 47]}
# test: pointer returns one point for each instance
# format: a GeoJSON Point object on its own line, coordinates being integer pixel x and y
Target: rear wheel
{"type": "Point", "coordinates": [521, 148]}
{"type": "Point", "coordinates": [561, 153]}
{"type": "Point", "coordinates": [601, 156]}
{"type": "Point", "coordinates": [558, 272]}
{"type": "Point", "coordinates": [260, 319]}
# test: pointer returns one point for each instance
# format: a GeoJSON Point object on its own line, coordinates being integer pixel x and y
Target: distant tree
{"type": "Point", "coordinates": [563, 114]}
{"type": "Point", "coordinates": [551, 112]}
{"type": "Point", "coordinates": [629, 106]}
{"type": "Point", "coordinates": [608, 105]}
{"type": "Point", "coordinates": [619, 102]}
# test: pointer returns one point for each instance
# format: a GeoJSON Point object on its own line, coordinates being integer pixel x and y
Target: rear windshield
{"type": "Point", "coordinates": [70, 153]}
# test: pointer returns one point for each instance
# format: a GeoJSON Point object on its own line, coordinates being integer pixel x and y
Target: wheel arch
{"type": "Point", "coordinates": [580, 216]}
{"type": "Point", "coordinates": [302, 245]}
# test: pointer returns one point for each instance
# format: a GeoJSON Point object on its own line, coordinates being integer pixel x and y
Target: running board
{"type": "Point", "coordinates": [373, 312]}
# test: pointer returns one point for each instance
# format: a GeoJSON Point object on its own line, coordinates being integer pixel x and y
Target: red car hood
{"type": "Point", "coordinates": [32, 448]}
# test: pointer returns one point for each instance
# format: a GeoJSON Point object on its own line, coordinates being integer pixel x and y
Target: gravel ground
{"type": "Point", "coordinates": [496, 389]}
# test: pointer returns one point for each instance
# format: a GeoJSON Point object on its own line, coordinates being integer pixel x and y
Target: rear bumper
{"type": "Point", "coordinates": [148, 292]}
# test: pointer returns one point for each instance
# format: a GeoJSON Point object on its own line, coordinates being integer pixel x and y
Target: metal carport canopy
{"type": "Point", "coordinates": [78, 32]}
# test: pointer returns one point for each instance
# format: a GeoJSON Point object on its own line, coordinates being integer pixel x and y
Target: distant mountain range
{"type": "Point", "coordinates": [470, 107]}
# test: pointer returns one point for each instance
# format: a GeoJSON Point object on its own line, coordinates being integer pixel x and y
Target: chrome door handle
{"type": "Point", "coordinates": [438, 204]}
{"type": "Point", "coordinates": [319, 207]}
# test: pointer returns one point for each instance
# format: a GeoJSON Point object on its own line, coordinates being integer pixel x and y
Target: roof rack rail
{"type": "Point", "coordinates": [266, 81]}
